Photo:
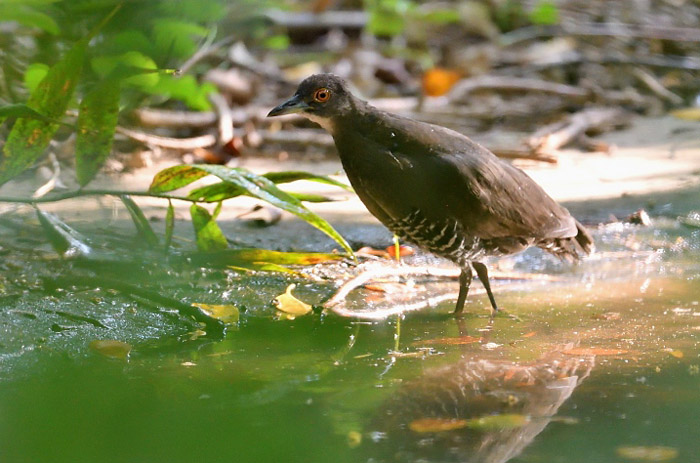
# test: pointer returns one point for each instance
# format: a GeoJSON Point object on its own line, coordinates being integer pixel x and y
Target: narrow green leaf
{"type": "Point", "coordinates": [263, 267]}
{"type": "Point", "coordinates": [29, 137]}
{"type": "Point", "coordinates": [143, 227]}
{"type": "Point", "coordinates": [250, 184]}
{"type": "Point", "coordinates": [311, 198]}
{"type": "Point", "coordinates": [33, 75]}
{"type": "Point", "coordinates": [209, 235]}
{"type": "Point", "coordinates": [64, 239]}
{"type": "Point", "coordinates": [22, 110]}
{"type": "Point", "coordinates": [262, 188]}
{"type": "Point", "coordinates": [293, 176]}
{"type": "Point", "coordinates": [244, 257]}
{"type": "Point", "coordinates": [175, 177]}
{"type": "Point", "coordinates": [169, 225]}
{"type": "Point", "coordinates": [29, 17]}
{"type": "Point", "coordinates": [97, 121]}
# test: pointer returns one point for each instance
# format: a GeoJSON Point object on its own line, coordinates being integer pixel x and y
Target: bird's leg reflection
{"type": "Point", "coordinates": [437, 416]}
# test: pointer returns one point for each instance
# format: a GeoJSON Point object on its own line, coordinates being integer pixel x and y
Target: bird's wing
{"type": "Point", "coordinates": [512, 204]}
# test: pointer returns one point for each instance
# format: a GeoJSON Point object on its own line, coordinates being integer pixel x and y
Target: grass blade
{"type": "Point", "coordinates": [143, 227]}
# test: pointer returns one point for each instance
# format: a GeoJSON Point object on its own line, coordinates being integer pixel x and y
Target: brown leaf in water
{"type": "Point", "coordinates": [529, 335]}
{"type": "Point", "coordinates": [450, 341]}
{"type": "Point", "coordinates": [675, 353]}
{"type": "Point", "coordinates": [403, 251]}
{"type": "Point", "coordinates": [111, 348]}
{"type": "Point", "coordinates": [423, 425]}
{"type": "Point", "coordinates": [594, 351]}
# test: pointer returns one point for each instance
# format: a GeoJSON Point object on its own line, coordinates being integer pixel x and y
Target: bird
{"type": "Point", "coordinates": [435, 187]}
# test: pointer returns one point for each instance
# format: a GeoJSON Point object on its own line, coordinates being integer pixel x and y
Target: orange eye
{"type": "Point", "coordinates": [322, 95]}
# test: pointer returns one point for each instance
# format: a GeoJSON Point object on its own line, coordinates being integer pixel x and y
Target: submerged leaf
{"type": "Point", "coordinates": [650, 454]}
{"type": "Point", "coordinates": [111, 348]}
{"type": "Point", "coordinates": [169, 225]}
{"type": "Point", "coordinates": [423, 425]}
{"type": "Point", "coordinates": [290, 306]}
{"type": "Point", "coordinates": [64, 239]}
{"type": "Point", "coordinates": [227, 313]}
{"type": "Point", "coordinates": [209, 235]}
{"type": "Point", "coordinates": [143, 227]}
{"type": "Point", "coordinates": [498, 422]}
{"type": "Point", "coordinates": [97, 121]}
{"type": "Point", "coordinates": [594, 351]}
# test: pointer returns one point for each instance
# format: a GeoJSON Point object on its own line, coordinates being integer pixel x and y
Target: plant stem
{"type": "Point", "coordinates": [81, 193]}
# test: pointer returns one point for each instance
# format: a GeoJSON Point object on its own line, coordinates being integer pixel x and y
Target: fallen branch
{"type": "Point", "coordinates": [185, 144]}
{"type": "Point", "coordinates": [336, 302]}
{"type": "Point", "coordinates": [554, 136]}
{"type": "Point", "coordinates": [655, 86]}
{"type": "Point", "coordinates": [642, 31]}
{"type": "Point", "coordinates": [225, 120]}
{"type": "Point", "coordinates": [515, 84]}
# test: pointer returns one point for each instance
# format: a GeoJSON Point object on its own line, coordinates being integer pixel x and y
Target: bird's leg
{"type": "Point", "coordinates": [483, 275]}
{"type": "Point", "coordinates": [465, 279]}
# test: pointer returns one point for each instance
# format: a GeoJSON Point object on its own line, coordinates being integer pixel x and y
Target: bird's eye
{"type": "Point", "coordinates": [322, 95]}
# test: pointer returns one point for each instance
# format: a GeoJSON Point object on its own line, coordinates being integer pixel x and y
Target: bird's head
{"type": "Point", "coordinates": [319, 97]}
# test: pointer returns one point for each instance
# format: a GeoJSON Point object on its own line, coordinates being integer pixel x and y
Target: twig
{"type": "Point", "coordinates": [169, 118]}
{"type": "Point", "coordinates": [398, 309]}
{"type": "Point", "coordinates": [51, 183]}
{"type": "Point", "coordinates": [554, 136]}
{"type": "Point", "coordinates": [206, 50]}
{"type": "Point", "coordinates": [225, 120]}
{"type": "Point", "coordinates": [655, 86]}
{"type": "Point", "coordinates": [203, 141]}
{"type": "Point", "coordinates": [645, 31]}
{"type": "Point", "coordinates": [687, 63]}
{"type": "Point", "coordinates": [325, 20]}
{"type": "Point", "coordinates": [518, 84]}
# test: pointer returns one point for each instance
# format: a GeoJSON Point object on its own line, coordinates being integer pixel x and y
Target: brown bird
{"type": "Point", "coordinates": [435, 187]}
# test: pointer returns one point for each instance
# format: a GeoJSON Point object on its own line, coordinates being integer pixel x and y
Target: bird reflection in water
{"type": "Point", "coordinates": [478, 410]}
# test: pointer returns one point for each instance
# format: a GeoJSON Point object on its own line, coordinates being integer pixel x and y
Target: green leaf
{"type": "Point", "coordinates": [29, 138]}
{"type": "Point", "coordinates": [311, 198]}
{"type": "Point", "coordinates": [175, 177]}
{"type": "Point", "coordinates": [143, 227]}
{"type": "Point", "coordinates": [22, 110]}
{"type": "Point", "coordinates": [177, 37]}
{"type": "Point", "coordinates": [29, 17]}
{"type": "Point", "coordinates": [545, 13]}
{"type": "Point", "coordinates": [277, 42]}
{"type": "Point", "coordinates": [34, 74]}
{"type": "Point", "coordinates": [132, 67]}
{"type": "Point", "coordinates": [227, 313]}
{"type": "Point", "coordinates": [224, 190]}
{"type": "Point", "coordinates": [209, 235]}
{"type": "Point", "coordinates": [184, 88]}
{"type": "Point", "coordinates": [254, 185]}
{"type": "Point", "coordinates": [64, 239]}
{"type": "Point", "coordinates": [169, 225]}
{"type": "Point", "coordinates": [97, 121]}
{"type": "Point", "coordinates": [242, 257]}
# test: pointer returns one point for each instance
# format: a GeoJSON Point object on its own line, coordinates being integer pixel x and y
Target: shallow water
{"type": "Point", "coordinates": [587, 368]}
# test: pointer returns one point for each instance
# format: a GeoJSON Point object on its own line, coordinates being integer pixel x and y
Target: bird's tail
{"type": "Point", "coordinates": [573, 248]}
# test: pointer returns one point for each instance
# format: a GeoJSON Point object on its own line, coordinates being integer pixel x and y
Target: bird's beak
{"type": "Point", "coordinates": [293, 105]}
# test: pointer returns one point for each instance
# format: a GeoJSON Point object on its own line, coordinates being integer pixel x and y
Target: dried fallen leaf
{"type": "Point", "coordinates": [606, 316]}
{"type": "Point", "coordinates": [228, 314]}
{"type": "Point", "coordinates": [111, 348]}
{"type": "Point", "coordinates": [403, 251]}
{"type": "Point", "coordinates": [436, 424]}
{"type": "Point", "coordinates": [644, 453]}
{"type": "Point", "coordinates": [450, 341]}
{"type": "Point", "coordinates": [675, 353]}
{"type": "Point", "coordinates": [354, 439]}
{"type": "Point", "coordinates": [438, 81]}
{"type": "Point", "coordinates": [368, 251]}
{"type": "Point", "coordinates": [290, 306]}
{"type": "Point", "coordinates": [594, 351]}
